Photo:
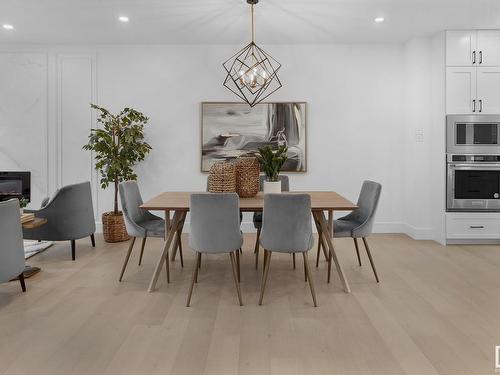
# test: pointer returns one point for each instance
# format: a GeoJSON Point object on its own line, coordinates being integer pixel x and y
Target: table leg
{"type": "Point", "coordinates": [321, 241]}
{"type": "Point", "coordinates": [176, 244]}
{"type": "Point", "coordinates": [330, 220]}
{"type": "Point", "coordinates": [167, 224]}
{"type": "Point", "coordinates": [333, 255]}
{"type": "Point", "coordinates": [168, 240]}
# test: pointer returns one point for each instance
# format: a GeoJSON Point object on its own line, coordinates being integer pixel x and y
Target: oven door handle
{"type": "Point", "coordinates": [479, 167]}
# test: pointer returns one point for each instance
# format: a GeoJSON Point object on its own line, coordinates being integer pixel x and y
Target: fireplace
{"type": "Point", "coordinates": [15, 185]}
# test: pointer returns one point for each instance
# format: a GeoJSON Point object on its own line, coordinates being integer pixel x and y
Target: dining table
{"type": "Point", "coordinates": [321, 202]}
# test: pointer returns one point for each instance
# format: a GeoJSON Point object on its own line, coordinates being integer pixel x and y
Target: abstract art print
{"type": "Point", "coordinates": [230, 130]}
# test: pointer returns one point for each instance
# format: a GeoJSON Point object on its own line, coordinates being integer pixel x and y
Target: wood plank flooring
{"type": "Point", "coordinates": [436, 311]}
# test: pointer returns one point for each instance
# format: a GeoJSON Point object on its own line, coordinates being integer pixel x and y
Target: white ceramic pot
{"type": "Point", "coordinates": [272, 187]}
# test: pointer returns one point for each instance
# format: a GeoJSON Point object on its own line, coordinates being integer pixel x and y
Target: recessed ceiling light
{"type": "Point", "coordinates": [123, 19]}
{"type": "Point", "coordinates": [8, 27]}
{"type": "Point", "coordinates": [379, 19]}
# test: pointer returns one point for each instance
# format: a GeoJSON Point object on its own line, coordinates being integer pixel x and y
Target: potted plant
{"type": "Point", "coordinates": [118, 146]}
{"type": "Point", "coordinates": [271, 161]}
{"type": "Point", "coordinates": [23, 203]}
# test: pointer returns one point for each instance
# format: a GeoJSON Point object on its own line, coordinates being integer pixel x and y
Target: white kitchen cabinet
{"type": "Point", "coordinates": [488, 48]}
{"type": "Point", "coordinates": [460, 48]}
{"type": "Point", "coordinates": [473, 72]}
{"type": "Point", "coordinates": [488, 90]}
{"type": "Point", "coordinates": [461, 90]}
{"type": "Point", "coordinates": [473, 226]}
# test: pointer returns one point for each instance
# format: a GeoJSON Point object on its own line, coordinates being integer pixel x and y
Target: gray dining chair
{"type": "Point", "coordinates": [257, 216]}
{"type": "Point", "coordinates": [11, 245]}
{"type": "Point", "coordinates": [69, 214]}
{"type": "Point", "coordinates": [287, 228]}
{"type": "Point", "coordinates": [142, 223]}
{"type": "Point", "coordinates": [215, 229]}
{"type": "Point", "coordinates": [359, 223]}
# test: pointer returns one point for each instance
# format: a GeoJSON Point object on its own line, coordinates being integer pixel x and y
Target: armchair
{"type": "Point", "coordinates": [70, 216]}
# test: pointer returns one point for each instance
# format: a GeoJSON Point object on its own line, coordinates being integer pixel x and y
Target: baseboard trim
{"type": "Point", "coordinates": [380, 227]}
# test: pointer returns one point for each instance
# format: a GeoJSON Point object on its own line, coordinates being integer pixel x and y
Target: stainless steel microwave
{"type": "Point", "coordinates": [473, 134]}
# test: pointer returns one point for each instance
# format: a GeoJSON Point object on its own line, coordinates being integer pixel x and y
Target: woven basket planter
{"type": "Point", "coordinates": [247, 176]}
{"type": "Point", "coordinates": [113, 227]}
{"type": "Point", "coordinates": [222, 178]}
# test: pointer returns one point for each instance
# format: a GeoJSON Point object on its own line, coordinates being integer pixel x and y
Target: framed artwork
{"type": "Point", "coordinates": [230, 130]}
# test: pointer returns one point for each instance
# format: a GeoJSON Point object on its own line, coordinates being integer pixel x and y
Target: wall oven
{"type": "Point", "coordinates": [473, 182]}
{"type": "Point", "coordinates": [473, 134]}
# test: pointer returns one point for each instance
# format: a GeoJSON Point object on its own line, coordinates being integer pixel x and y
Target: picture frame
{"type": "Point", "coordinates": [232, 129]}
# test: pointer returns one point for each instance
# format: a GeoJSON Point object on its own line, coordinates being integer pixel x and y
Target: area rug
{"type": "Point", "coordinates": [32, 248]}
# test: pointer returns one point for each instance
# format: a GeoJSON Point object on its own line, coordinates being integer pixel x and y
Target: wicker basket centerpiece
{"type": "Point", "coordinates": [247, 176]}
{"type": "Point", "coordinates": [222, 178]}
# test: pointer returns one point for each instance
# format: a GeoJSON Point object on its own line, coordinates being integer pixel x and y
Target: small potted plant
{"type": "Point", "coordinates": [23, 203]}
{"type": "Point", "coordinates": [118, 146]}
{"type": "Point", "coordinates": [271, 161]}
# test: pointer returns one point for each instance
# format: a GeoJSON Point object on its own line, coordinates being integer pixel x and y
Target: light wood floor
{"type": "Point", "coordinates": [436, 311]}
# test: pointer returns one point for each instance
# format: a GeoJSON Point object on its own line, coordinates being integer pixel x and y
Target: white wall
{"type": "Point", "coordinates": [416, 172]}
{"type": "Point", "coordinates": [364, 102]}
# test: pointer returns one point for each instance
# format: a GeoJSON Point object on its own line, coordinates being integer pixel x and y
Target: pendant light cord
{"type": "Point", "coordinates": [253, 32]}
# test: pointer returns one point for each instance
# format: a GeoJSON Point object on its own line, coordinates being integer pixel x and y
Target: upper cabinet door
{"type": "Point", "coordinates": [488, 47]}
{"type": "Point", "coordinates": [461, 48]}
{"type": "Point", "coordinates": [488, 90]}
{"type": "Point", "coordinates": [461, 90]}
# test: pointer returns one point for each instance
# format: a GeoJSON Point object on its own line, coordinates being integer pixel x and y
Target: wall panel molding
{"type": "Point", "coordinates": [76, 89]}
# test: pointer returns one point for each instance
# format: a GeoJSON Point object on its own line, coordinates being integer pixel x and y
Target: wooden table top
{"type": "Point", "coordinates": [35, 223]}
{"type": "Point", "coordinates": [320, 201]}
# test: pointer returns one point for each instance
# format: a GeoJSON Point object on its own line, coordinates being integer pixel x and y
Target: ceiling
{"type": "Point", "coordinates": [227, 21]}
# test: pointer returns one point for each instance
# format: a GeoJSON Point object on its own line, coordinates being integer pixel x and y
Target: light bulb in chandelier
{"type": "Point", "coordinates": [253, 78]}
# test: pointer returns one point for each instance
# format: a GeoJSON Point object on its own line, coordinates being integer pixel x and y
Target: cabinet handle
{"type": "Point", "coordinates": [480, 105]}
{"type": "Point", "coordinates": [473, 57]}
{"type": "Point", "coordinates": [477, 227]}
{"type": "Point", "coordinates": [480, 57]}
{"type": "Point", "coordinates": [474, 105]}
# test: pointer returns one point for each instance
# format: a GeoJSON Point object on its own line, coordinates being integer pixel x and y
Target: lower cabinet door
{"type": "Point", "coordinates": [473, 226]}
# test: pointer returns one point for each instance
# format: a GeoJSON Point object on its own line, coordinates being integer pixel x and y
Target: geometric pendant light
{"type": "Point", "coordinates": [252, 74]}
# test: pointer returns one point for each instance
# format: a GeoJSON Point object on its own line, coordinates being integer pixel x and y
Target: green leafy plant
{"type": "Point", "coordinates": [118, 146]}
{"type": "Point", "coordinates": [23, 202]}
{"type": "Point", "coordinates": [272, 160]}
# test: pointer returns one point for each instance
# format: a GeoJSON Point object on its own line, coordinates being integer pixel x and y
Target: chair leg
{"type": "Point", "coordinates": [267, 257]}
{"type": "Point", "coordinates": [193, 280]}
{"type": "Point", "coordinates": [311, 283]}
{"type": "Point", "coordinates": [371, 259]}
{"type": "Point", "coordinates": [198, 262]}
{"type": "Point", "coordinates": [329, 266]}
{"type": "Point", "coordinates": [180, 248]}
{"type": "Point", "coordinates": [167, 266]}
{"type": "Point", "coordinates": [266, 254]}
{"type": "Point", "coordinates": [357, 250]}
{"type": "Point", "coordinates": [73, 249]}
{"type": "Point", "coordinates": [305, 273]}
{"type": "Point", "coordinates": [238, 265]}
{"type": "Point", "coordinates": [293, 258]}
{"type": "Point", "coordinates": [130, 246]}
{"type": "Point", "coordinates": [319, 249]}
{"type": "Point", "coordinates": [236, 276]}
{"type": "Point", "coordinates": [92, 240]}
{"type": "Point", "coordinates": [256, 250]}
{"type": "Point", "coordinates": [142, 249]}
{"type": "Point", "coordinates": [21, 281]}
